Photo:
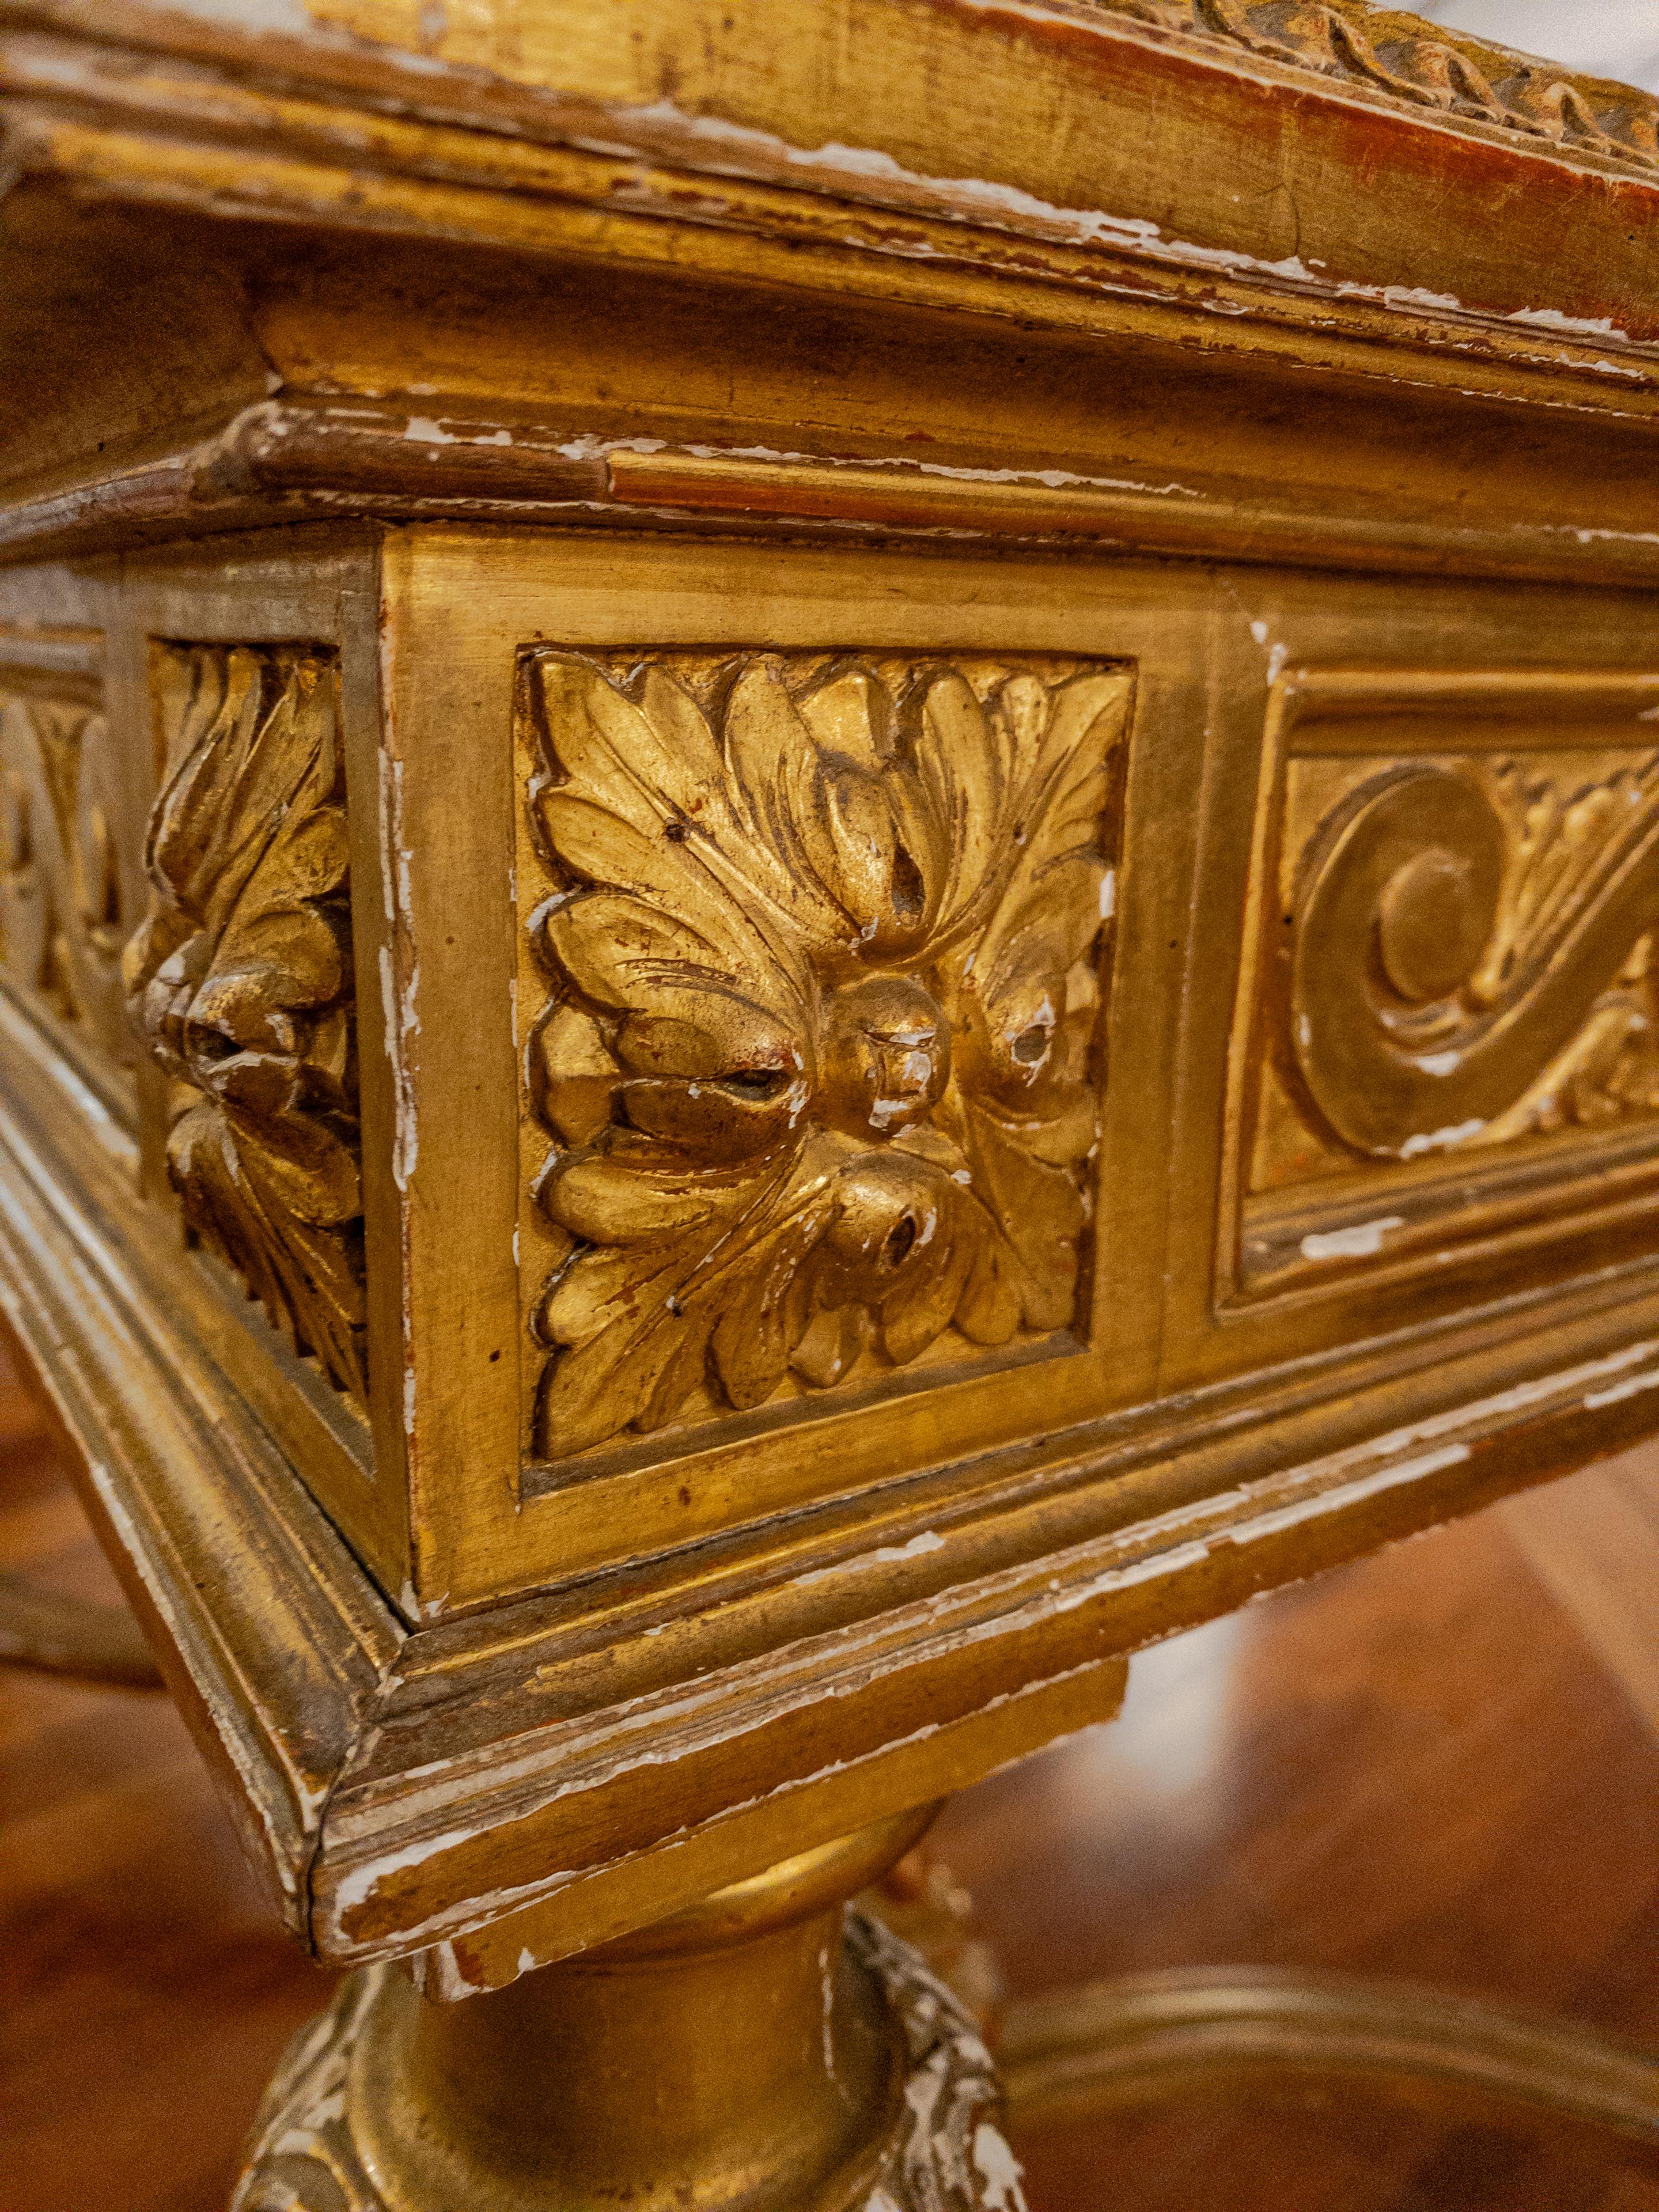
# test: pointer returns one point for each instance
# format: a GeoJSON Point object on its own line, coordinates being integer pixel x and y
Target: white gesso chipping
{"type": "Point", "coordinates": [1345, 1494]}
{"type": "Point", "coordinates": [1440, 1140]}
{"type": "Point", "coordinates": [999, 2170]}
{"type": "Point", "coordinates": [427, 430]}
{"type": "Point", "coordinates": [977, 198]}
{"type": "Point", "coordinates": [885, 1555]}
{"type": "Point", "coordinates": [1629, 1387]}
{"type": "Point", "coordinates": [1362, 1240]}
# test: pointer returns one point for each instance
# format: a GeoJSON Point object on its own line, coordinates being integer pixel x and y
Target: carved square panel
{"type": "Point", "coordinates": [814, 956]}
{"type": "Point", "coordinates": [1450, 1027]}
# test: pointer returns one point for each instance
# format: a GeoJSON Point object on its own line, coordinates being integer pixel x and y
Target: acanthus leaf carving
{"type": "Point", "coordinates": [819, 1057]}
{"type": "Point", "coordinates": [240, 983]}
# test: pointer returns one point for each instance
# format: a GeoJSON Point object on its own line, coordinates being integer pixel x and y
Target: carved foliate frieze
{"type": "Point", "coordinates": [818, 1054]}
{"type": "Point", "coordinates": [240, 982]}
{"type": "Point", "coordinates": [62, 918]}
{"type": "Point", "coordinates": [1395, 53]}
{"type": "Point", "coordinates": [1457, 960]}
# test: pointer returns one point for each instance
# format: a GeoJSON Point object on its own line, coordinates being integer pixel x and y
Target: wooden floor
{"type": "Point", "coordinates": [1440, 1766]}
{"type": "Point", "coordinates": [1443, 1763]}
{"type": "Point", "coordinates": [145, 1988]}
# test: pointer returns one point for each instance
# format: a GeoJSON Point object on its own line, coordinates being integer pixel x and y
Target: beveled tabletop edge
{"type": "Point", "coordinates": [1091, 222]}
{"type": "Point", "coordinates": [110, 91]}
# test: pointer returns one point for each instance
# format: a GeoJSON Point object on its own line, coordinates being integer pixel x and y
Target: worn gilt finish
{"type": "Point", "coordinates": [624, 622]}
{"type": "Point", "coordinates": [944, 2151]}
{"type": "Point", "coordinates": [1387, 51]}
{"type": "Point", "coordinates": [820, 1060]}
{"type": "Point", "coordinates": [856, 2081]}
{"type": "Point", "coordinates": [240, 981]}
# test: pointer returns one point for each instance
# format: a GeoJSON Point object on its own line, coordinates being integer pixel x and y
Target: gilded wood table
{"type": "Point", "coordinates": [829, 876]}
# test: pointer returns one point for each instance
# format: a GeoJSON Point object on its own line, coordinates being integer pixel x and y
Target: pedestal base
{"type": "Point", "coordinates": [767, 2052]}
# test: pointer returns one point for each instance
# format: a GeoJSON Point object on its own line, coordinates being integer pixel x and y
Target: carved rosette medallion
{"type": "Point", "coordinates": [240, 983]}
{"type": "Point", "coordinates": [824, 938]}
{"type": "Point", "coordinates": [62, 923]}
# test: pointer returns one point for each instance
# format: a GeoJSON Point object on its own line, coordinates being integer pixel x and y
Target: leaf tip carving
{"type": "Point", "coordinates": [240, 984]}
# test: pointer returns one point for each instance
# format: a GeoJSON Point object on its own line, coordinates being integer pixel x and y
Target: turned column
{"type": "Point", "coordinates": [764, 2048]}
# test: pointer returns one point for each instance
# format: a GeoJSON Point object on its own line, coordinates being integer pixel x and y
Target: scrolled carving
{"type": "Point", "coordinates": [61, 925]}
{"type": "Point", "coordinates": [1456, 929]}
{"type": "Point", "coordinates": [819, 1056]}
{"type": "Point", "coordinates": [240, 983]}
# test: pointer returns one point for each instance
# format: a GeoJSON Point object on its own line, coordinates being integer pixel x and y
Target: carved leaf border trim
{"type": "Point", "coordinates": [1403, 57]}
